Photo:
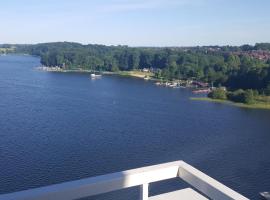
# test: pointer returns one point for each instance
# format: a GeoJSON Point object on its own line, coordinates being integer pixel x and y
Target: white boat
{"type": "Point", "coordinates": [93, 76]}
{"type": "Point", "coordinates": [265, 195]}
{"type": "Point", "coordinates": [146, 78]}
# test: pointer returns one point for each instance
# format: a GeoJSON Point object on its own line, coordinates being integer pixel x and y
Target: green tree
{"type": "Point", "coordinates": [218, 93]}
{"type": "Point", "coordinates": [236, 96]}
{"type": "Point", "coordinates": [248, 97]}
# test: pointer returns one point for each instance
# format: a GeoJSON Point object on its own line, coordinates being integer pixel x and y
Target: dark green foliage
{"type": "Point", "coordinates": [218, 94]}
{"type": "Point", "coordinates": [236, 96]}
{"type": "Point", "coordinates": [262, 46]}
{"type": "Point", "coordinates": [266, 91]}
{"type": "Point", "coordinates": [249, 97]}
{"type": "Point", "coordinates": [217, 65]}
{"type": "Point", "coordinates": [243, 96]}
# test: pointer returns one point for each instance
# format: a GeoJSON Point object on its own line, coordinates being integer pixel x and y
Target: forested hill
{"type": "Point", "coordinates": [246, 67]}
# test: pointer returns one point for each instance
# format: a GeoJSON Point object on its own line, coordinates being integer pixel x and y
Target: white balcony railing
{"type": "Point", "coordinates": [209, 187]}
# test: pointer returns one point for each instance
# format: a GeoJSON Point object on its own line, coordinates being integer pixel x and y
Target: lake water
{"type": "Point", "coordinates": [56, 127]}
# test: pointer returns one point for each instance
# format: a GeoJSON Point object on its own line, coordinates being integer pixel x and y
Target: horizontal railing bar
{"type": "Point", "coordinates": [98, 185]}
{"type": "Point", "coordinates": [207, 185]}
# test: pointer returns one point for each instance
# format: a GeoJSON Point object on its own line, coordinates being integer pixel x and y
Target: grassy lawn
{"type": "Point", "coordinates": [6, 50]}
{"type": "Point", "coordinates": [261, 102]}
{"type": "Point", "coordinates": [135, 73]}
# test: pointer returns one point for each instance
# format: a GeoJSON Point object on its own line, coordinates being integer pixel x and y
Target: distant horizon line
{"type": "Point", "coordinates": [139, 46]}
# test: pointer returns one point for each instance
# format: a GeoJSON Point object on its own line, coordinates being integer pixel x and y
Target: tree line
{"type": "Point", "coordinates": [220, 65]}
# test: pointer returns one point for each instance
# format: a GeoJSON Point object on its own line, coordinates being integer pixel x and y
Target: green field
{"type": "Point", "coordinates": [135, 73]}
{"type": "Point", "coordinates": [6, 50]}
{"type": "Point", "coordinates": [261, 102]}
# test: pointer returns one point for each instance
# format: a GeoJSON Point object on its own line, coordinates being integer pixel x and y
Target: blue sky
{"type": "Point", "coordinates": [136, 22]}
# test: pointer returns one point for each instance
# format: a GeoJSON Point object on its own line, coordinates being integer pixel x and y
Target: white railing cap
{"type": "Point", "coordinates": [120, 180]}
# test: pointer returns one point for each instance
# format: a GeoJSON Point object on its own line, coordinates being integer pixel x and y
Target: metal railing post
{"type": "Point", "coordinates": [144, 191]}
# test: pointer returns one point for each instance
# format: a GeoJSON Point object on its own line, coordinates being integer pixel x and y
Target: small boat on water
{"type": "Point", "coordinates": [94, 76]}
{"type": "Point", "coordinates": [265, 195]}
{"type": "Point", "coordinates": [172, 85]}
{"type": "Point", "coordinates": [146, 78]}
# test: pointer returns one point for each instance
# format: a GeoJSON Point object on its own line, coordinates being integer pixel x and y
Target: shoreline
{"type": "Point", "coordinates": [58, 69]}
{"type": "Point", "coordinates": [136, 74]}
{"type": "Point", "coordinates": [231, 103]}
{"type": "Point", "coordinates": [149, 77]}
{"type": "Point", "coordinates": [145, 75]}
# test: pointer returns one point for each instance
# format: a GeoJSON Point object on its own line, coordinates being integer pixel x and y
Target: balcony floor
{"type": "Point", "coordinates": [184, 194]}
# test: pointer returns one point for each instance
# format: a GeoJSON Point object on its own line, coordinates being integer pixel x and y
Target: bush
{"type": "Point", "coordinates": [242, 96]}
{"type": "Point", "coordinates": [218, 94]}
{"type": "Point", "coordinates": [267, 90]}
{"type": "Point", "coordinates": [249, 97]}
{"type": "Point", "coordinates": [114, 68]}
{"type": "Point", "coordinates": [236, 96]}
